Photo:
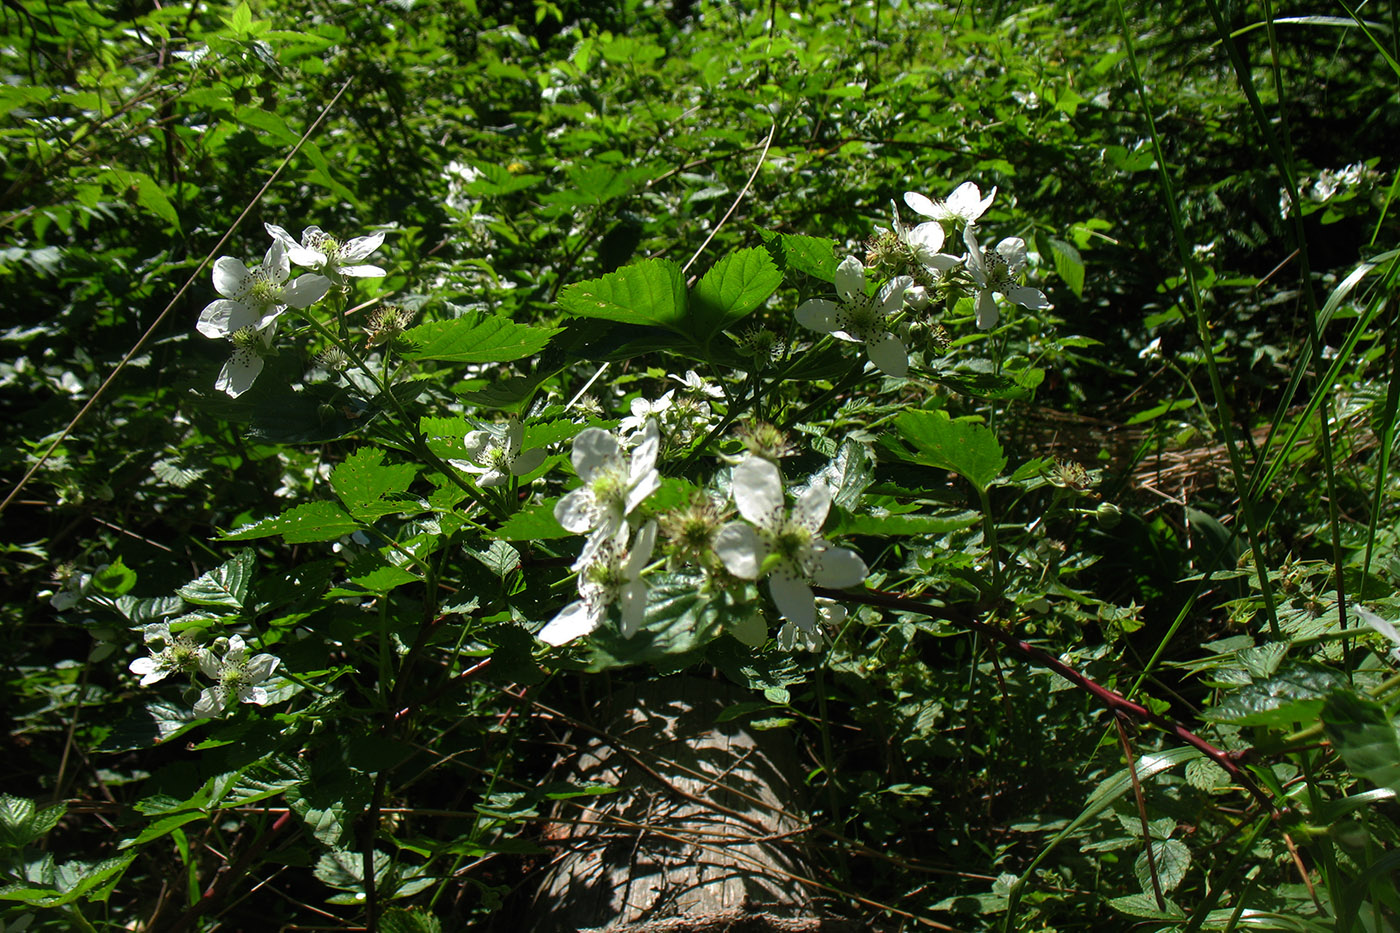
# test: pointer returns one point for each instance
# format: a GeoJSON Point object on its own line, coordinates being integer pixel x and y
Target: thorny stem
{"type": "Point", "coordinates": [1116, 702]}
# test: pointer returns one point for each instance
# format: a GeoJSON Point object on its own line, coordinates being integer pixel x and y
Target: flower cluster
{"type": "Point", "coordinates": [254, 299]}
{"type": "Point", "coordinates": [983, 273]}
{"type": "Point", "coordinates": [235, 675]}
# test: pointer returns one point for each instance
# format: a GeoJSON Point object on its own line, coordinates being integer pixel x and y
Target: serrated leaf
{"type": "Point", "coordinates": [500, 558]}
{"type": "Point", "coordinates": [301, 524]}
{"type": "Point", "coordinates": [651, 293]}
{"type": "Point", "coordinates": [1171, 859]}
{"type": "Point", "coordinates": [533, 524]}
{"type": "Point", "coordinates": [225, 585]}
{"type": "Point", "coordinates": [344, 868]}
{"type": "Point", "coordinates": [969, 449]}
{"type": "Point", "coordinates": [476, 338]}
{"type": "Point", "coordinates": [363, 483]}
{"type": "Point", "coordinates": [1262, 661]}
{"type": "Point", "coordinates": [1366, 739]}
{"type": "Point", "coordinates": [1294, 696]}
{"type": "Point", "coordinates": [815, 256]}
{"type": "Point", "coordinates": [732, 290]}
{"type": "Point", "coordinates": [1204, 774]}
{"type": "Point", "coordinates": [22, 822]}
{"type": "Point", "coordinates": [848, 474]}
{"type": "Point", "coordinates": [1145, 906]}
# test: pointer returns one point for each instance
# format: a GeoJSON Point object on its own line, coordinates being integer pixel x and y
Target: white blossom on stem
{"type": "Point", "coordinates": [257, 297]}
{"type": "Point", "coordinates": [963, 206]}
{"type": "Point", "coordinates": [644, 409]}
{"type": "Point", "coordinates": [336, 259]}
{"type": "Point", "coordinates": [925, 244]}
{"type": "Point", "coordinates": [786, 547]}
{"type": "Point", "coordinates": [496, 455]}
{"type": "Point", "coordinates": [612, 575]}
{"type": "Point", "coordinates": [236, 677]}
{"type": "Point", "coordinates": [996, 270]}
{"type": "Point", "coordinates": [613, 485]}
{"type": "Point", "coordinates": [170, 654]}
{"type": "Point", "coordinates": [861, 318]}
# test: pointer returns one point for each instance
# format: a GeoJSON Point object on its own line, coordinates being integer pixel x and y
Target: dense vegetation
{"type": "Point", "coordinates": [386, 385]}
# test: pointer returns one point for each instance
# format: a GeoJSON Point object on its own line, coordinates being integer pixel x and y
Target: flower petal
{"type": "Point", "coordinates": [739, 548]}
{"type": "Point", "coordinates": [528, 461]}
{"type": "Point", "coordinates": [361, 272]}
{"type": "Point", "coordinates": [574, 620]}
{"type": "Point", "coordinates": [261, 666]}
{"type": "Point", "coordinates": [306, 290]}
{"type": "Point", "coordinates": [222, 317]}
{"type": "Point", "coordinates": [593, 447]}
{"type": "Point", "coordinates": [1013, 250]}
{"type": "Point", "coordinates": [1028, 297]}
{"type": "Point", "coordinates": [230, 276]}
{"type": "Point", "coordinates": [920, 204]}
{"type": "Point", "coordinates": [757, 487]}
{"type": "Point", "coordinates": [476, 443]}
{"type": "Point", "coordinates": [850, 279]}
{"type": "Point", "coordinates": [634, 607]}
{"type": "Point", "coordinates": [794, 599]}
{"type": "Point", "coordinates": [888, 354]}
{"type": "Point", "coordinates": [967, 203]}
{"type": "Point", "coordinates": [817, 314]}
{"type": "Point", "coordinates": [239, 372]}
{"type": "Point", "coordinates": [645, 450]}
{"type": "Point", "coordinates": [275, 265]}
{"type": "Point", "coordinates": [640, 555]}
{"type": "Point", "coordinates": [576, 510]}
{"type": "Point", "coordinates": [210, 703]}
{"type": "Point", "coordinates": [838, 567]}
{"type": "Point", "coordinates": [360, 247]}
{"type": "Point", "coordinates": [811, 507]}
{"type": "Point", "coordinates": [987, 313]}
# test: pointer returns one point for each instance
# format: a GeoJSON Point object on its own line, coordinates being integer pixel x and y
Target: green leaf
{"type": "Point", "coordinates": [1069, 265]}
{"type": "Point", "coordinates": [732, 290]}
{"type": "Point", "coordinates": [651, 292]}
{"type": "Point", "coordinates": [402, 920]}
{"type": "Point", "coordinates": [1294, 696]}
{"type": "Point", "coordinates": [225, 585]}
{"type": "Point", "coordinates": [1366, 739]}
{"type": "Point", "coordinates": [476, 338]}
{"type": "Point", "coordinates": [1145, 906]}
{"type": "Point", "coordinates": [1171, 859]}
{"type": "Point", "coordinates": [535, 523]}
{"type": "Point", "coordinates": [301, 524]}
{"type": "Point", "coordinates": [893, 526]}
{"type": "Point", "coordinates": [816, 256]}
{"type": "Point", "coordinates": [969, 449]}
{"type": "Point", "coordinates": [116, 579]}
{"type": "Point", "coordinates": [22, 822]}
{"type": "Point", "coordinates": [157, 722]}
{"type": "Point", "coordinates": [363, 481]}
{"type": "Point", "coordinates": [848, 474]}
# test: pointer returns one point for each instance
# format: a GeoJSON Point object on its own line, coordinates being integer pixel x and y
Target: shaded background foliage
{"type": "Point", "coordinates": [513, 149]}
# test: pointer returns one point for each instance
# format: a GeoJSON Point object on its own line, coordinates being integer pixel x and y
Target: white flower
{"type": "Point", "coordinates": [256, 298]}
{"type": "Point", "coordinates": [996, 271]}
{"type": "Point", "coordinates": [235, 676]}
{"type": "Point", "coordinates": [643, 410]}
{"type": "Point", "coordinates": [250, 347]}
{"type": "Point", "coordinates": [925, 243]}
{"type": "Point", "coordinates": [697, 385]}
{"type": "Point", "coordinates": [614, 575]}
{"type": "Point", "coordinates": [496, 454]}
{"type": "Point", "coordinates": [861, 318]}
{"type": "Point", "coordinates": [169, 654]}
{"type": "Point", "coordinates": [829, 613]}
{"type": "Point", "coordinates": [964, 205]}
{"type": "Point", "coordinates": [788, 548]}
{"type": "Point", "coordinates": [335, 258]}
{"type": "Point", "coordinates": [612, 486]}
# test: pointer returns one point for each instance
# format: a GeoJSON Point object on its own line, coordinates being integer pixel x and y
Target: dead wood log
{"type": "Point", "coordinates": [702, 834]}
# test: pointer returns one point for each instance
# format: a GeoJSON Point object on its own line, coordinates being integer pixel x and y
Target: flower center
{"type": "Point", "coordinates": [792, 543]}
{"type": "Point", "coordinates": [324, 243]}
{"type": "Point", "coordinates": [609, 486]}
{"type": "Point", "coordinates": [861, 318]}
{"type": "Point", "coordinates": [998, 270]}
